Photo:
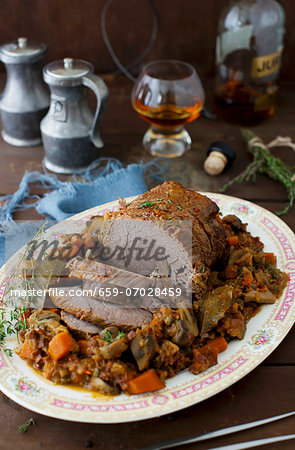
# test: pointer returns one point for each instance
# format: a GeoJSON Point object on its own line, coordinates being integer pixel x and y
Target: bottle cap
{"type": "Point", "coordinates": [225, 149]}
{"type": "Point", "coordinates": [220, 156]}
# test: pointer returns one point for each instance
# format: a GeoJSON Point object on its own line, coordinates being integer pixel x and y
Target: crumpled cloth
{"type": "Point", "coordinates": [110, 181]}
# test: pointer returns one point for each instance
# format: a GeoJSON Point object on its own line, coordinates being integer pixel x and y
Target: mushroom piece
{"type": "Point", "coordinates": [44, 314]}
{"type": "Point", "coordinates": [101, 386]}
{"type": "Point", "coordinates": [115, 348]}
{"type": "Point", "coordinates": [143, 348]}
{"type": "Point", "coordinates": [48, 318]}
{"type": "Point", "coordinates": [180, 332]}
{"type": "Point", "coordinates": [95, 225]}
{"type": "Point", "coordinates": [189, 316]}
{"type": "Point", "coordinates": [184, 330]}
{"type": "Point", "coordinates": [260, 297]}
{"type": "Point", "coordinates": [241, 258]}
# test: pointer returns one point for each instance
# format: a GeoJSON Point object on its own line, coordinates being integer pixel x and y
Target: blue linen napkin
{"type": "Point", "coordinates": [108, 182]}
{"type": "Point", "coordinates": [72, 198]}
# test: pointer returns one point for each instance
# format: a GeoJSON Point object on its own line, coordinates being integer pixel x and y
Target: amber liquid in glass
{"type": "Point", "coordinates": [236, 102]}
{"type": "Point", "coordinates": [167, 116]}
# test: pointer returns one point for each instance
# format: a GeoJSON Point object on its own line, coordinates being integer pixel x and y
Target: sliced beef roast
{"type": "Point", "coordinates": [99, 280]}
{"type": "Point", "coordinates": [181, 222]}
{"type": "Point", "coordinates": [97, 271]}
{"type": "Point", "coordinates": [101, 312]}
{"type": "Point", "coordinates": [79, 327]}
{"type": "Point", "coordinates": [144, 247]}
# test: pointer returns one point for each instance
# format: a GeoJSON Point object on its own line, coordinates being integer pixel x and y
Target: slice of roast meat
{"type": "Point", "coordinates": [81, 328]}
{"type": "Point", "coordinates": [126, 288]}
{"type": "Point", "coordinates": [101, 312]}
{"type": "Point", "coordinates": [96, 271]}
{"type": "Point", "coordinates": [143, 246]}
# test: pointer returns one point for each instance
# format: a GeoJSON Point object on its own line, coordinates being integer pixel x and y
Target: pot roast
{"type": "Point", "coordinates": [169, 235]}
{"type": "Point", "coordinates": [180, 222]}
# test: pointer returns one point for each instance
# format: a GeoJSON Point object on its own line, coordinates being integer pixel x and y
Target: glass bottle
{"type": "Point", "coordinates": [249, 49]}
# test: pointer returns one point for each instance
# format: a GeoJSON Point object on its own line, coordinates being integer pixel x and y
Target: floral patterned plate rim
{"type": "Point", "coordinates": [264, 333]}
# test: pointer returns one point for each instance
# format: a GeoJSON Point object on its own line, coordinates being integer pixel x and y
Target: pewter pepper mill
{"type": "Point", "coordinates": [25, 99]}
{"type": "Point", "coordinates": [70, 130]}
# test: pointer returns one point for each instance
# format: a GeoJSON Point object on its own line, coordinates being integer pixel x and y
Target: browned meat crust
{"type": "Point", "coordinates": [208, 236]}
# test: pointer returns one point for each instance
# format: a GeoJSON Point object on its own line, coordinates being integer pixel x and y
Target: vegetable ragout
{"type": "Point", "coordinates": [112, 359]}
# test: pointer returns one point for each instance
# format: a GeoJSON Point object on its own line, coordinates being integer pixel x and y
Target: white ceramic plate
{"type": "Point", "coordinates": [264, 333]}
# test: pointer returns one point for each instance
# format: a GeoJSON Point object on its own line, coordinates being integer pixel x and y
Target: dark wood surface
{"type": "Point", "coordinates": [187, 30]}
{"type": "Point", "coordinates": [266, 391]}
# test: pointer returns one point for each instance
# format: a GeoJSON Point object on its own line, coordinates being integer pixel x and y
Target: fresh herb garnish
{"type": "Point", "coordinates": [13, 313]}
{"type": "Point", "coordinates": [24, 427]}
{"type": "Point", "coordinates": [169, 201]}
{"type": "Point", "coordinates": [108, 337]}
{"type": "Point", "coordinates": [202, 270]}
{"type": "Point", "coordinates": [16, 323]}
{"type": "Point", "coordinates": [9, 352]}
{"type": "Point", "coordinates": [146, 204]}
{"type": "Point", "coordinates": [41, 321]}
{"type": "Point", "coordinates": [120, 335]}
{"type": "Point", "coordinates": [156, 207]}
{"type": "Point", "coordinates": [159, 199]}
{"type": "Point", "coordinates": [179, 207]}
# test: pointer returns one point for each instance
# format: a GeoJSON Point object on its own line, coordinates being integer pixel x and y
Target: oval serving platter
{"type": "Point", "coordinates": [264, 333]}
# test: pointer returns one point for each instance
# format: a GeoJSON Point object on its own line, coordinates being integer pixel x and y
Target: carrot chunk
{"type": "Point", "coordinates": [270, 258]}
{"type": "Point", "coordinates": [29, 349]}
{"type": "Point", "coordinates": [248, 280]}
{"type": "Point", "coordinates": [233, 240]}
{"type": "Point", "coordinates": [146, 382]}
{"type": "Point", "coordinates": [219, 343]}
{"type": "Point", "coordinates": [60, 345]}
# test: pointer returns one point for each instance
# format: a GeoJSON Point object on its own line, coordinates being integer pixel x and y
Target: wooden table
{"type": "Point", "coordinates": [269, 389]}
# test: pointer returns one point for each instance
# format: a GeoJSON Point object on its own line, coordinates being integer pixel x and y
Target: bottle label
{"type": "Point", "coordinates": [232, 40]}
{"type": "Point", "coordinates": [262, 66]}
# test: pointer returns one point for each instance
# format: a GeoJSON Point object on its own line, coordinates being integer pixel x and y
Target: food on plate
{"type": "Point", "coordinates": [216, 272]}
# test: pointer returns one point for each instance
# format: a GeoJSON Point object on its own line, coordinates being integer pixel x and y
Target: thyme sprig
{"type": "Point", "coordinates": [17, 322]}
{"type": "Point", "coordinates": [14, 310]}
{"type": "Point", "coordinates": [24, 427]}
{"type": "Point", "coordinates": [264, 162]}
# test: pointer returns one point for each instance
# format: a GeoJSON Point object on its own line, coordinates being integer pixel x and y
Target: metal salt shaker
{"type": "Point", "coordinates": [70, 130]}
{"type": "Point", "coordinates": [25, 99]}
